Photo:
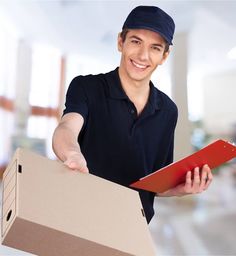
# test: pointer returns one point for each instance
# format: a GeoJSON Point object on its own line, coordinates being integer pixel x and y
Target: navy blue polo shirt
{"type": "Point", "coordinates": [118, 144]}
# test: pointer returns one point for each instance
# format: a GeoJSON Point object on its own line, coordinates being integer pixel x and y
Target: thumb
{"type": "Point", "coordinates": [72, 165]}
{"type": "Point", "coordinates": [84, 169]}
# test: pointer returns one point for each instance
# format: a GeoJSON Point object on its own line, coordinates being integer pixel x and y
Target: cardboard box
{"type": "Point", "coordinates": [50, 210]}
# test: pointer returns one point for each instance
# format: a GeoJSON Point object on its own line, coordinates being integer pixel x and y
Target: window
{"type": "Point", "coordinates": [44, 94]}
{"type": "Point", "coordinates": [8, 57]}
{"type": "Point", "coordinates": [45, 78]}
{"type": "Point", "coordinates": [6, 130]}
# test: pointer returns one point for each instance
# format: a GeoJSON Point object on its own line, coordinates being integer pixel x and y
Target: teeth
{"type": "Point", "coordinates": [138, 65]}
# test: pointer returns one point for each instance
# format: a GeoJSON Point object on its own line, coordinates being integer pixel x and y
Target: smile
{"type": "Point", "coordinates": [137, 65]}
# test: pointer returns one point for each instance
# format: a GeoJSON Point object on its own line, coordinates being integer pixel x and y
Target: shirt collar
{"type": "Point", "coordinates": [155, 99]}
{"type": "Point", "coordinates": [114, 85]}
{"type": "Point", "coordinates": [116, 91]}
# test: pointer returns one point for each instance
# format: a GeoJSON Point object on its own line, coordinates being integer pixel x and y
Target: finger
{"type": "Point", "coordinates": [188, 182]}
{"type": "Point", "coordinates": [196, 180]}
{"type": "Point", "coordinates": [84, 169]}
{"type": "Point", "coordinates": [209, 179]}
{"type": "Point", "coordinates": [78, 167]}
{"type": "Point", "coordinates": [71, 164]}
{"type": "Point", "coordinates": [204, 177]}
{"type": "Point", "coordinates": [206, 168]}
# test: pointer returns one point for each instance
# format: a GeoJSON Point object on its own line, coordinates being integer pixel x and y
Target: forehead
{"type": "Point", "coordinates": [146, 35]}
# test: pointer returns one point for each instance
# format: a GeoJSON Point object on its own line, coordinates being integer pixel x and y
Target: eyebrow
{"type": "Point", "coordinates": [140, 39]}
{"type": "Point", "coordinates": [136, 37]}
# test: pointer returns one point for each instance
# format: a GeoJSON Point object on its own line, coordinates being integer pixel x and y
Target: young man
{"type": "Point", "coordinates": [118, 125]}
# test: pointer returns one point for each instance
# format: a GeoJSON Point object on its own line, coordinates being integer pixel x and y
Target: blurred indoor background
{"type": "Point", "coordinates": [45, 43]}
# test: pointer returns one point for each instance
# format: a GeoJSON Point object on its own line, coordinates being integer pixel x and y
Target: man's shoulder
{"type": "Point", "coordinates": [167, 102]}
{"type": "Point", "coordinates": [92, 85]}
{"type": "Point", "coordinates": [92, 79]}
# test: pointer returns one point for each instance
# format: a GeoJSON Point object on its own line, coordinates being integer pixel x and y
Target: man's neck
{"type": "Point", "coordinates": [137, 91]}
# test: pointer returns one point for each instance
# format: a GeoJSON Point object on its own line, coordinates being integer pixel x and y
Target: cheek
{"type": "Point", "coordinates": [126, 54]}
{"type": "Point", "coordinates": [157, 59]}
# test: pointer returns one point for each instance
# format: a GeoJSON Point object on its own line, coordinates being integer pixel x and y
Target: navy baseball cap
{"type": "Point", "coordinates": [151, 18]}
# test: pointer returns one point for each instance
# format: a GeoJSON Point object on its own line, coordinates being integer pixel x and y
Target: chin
{"type": "Point", "coordinates": [138, 76]}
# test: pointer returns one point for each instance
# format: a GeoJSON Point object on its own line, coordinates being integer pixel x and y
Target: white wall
{"type": "Point", "coordinates": [219, 103]}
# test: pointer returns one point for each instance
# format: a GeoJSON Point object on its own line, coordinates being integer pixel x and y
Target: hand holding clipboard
{"type": "Point", "coordinates": [174, 174]}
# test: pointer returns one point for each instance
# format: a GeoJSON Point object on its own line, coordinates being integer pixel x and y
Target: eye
{"type": "Point", "coordinates": [156, 48]}
{"type": "Point", "coordinates": [135, 41]}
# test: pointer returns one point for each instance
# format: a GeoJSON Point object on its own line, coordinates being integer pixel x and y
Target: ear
{"type": "Point", "coordinates": [165, 56]}
{"type": "Point", "coordinates": [119, 43]}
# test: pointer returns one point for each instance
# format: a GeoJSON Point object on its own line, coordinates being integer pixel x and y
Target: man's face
{"type": "Point", "coordinates": [141, 53]}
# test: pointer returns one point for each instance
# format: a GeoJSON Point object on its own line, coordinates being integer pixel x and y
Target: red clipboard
{"type": "Point", "coordinates": [174, 174]}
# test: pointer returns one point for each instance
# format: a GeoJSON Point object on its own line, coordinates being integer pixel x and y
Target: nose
{"type": "Point", "coordinates": [143, 53]}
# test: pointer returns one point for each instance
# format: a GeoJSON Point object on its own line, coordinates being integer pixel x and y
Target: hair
{"type": "Point", "coordinates": [125, 31]}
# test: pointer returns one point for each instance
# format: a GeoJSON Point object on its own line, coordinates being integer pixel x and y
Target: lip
{"type": "Point", "coordinates": [138, 65]}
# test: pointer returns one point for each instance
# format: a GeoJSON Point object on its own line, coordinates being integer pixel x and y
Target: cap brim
{"type": "Point", "coordinates": [152, 29]}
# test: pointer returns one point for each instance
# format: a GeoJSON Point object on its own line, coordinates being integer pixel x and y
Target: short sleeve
{"type": "Point", "coordinates": [76, 99]}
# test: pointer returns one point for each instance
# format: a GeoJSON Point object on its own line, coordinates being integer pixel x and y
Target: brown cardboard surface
{"type": "Point", "coordinates": [50, 210]}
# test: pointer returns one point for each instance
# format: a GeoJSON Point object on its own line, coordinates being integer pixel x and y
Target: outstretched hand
{"type": "Point", "coordinates": [76, 161]}
{"type": "Point", "coordinates": [195, 183]}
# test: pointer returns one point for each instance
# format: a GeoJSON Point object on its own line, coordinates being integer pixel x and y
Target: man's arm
{"type": "Point", "coordinates": [64, 142]}
{"type": "Point", "coordinates": [193, 185]}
